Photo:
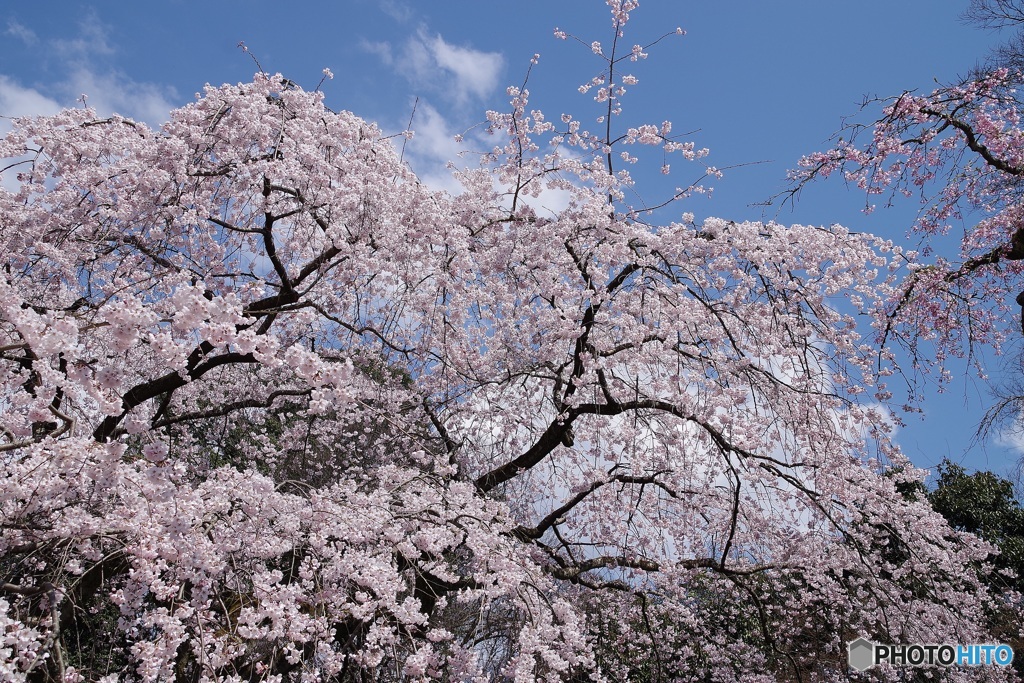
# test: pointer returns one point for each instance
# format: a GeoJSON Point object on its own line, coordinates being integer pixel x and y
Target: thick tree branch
{"type": "Point", "coordinates": [555, 516]}
{"type": "Point", "coordinates": [172, 381]}
{"type": "Point", "coordinates": [229, 407]}
{"type": "Point", "coordinates": [973, 143]}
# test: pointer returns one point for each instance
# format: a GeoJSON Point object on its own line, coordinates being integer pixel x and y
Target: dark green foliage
{"type": "Point", "coordinates": [984, 504]}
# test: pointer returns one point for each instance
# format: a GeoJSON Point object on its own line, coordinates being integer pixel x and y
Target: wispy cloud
{"type": "Point", "coordinates": [17, 100]}
{"type": "Point", "coordinates": [399, 11]}
{"type": "Point", "coordinates": [456, 72]}
{"type": "Point", "coordinates": [475, 72]}
{"type": "Point", "coordinates": [431, 149]}
{"type": "Point", "coordinates": [22, 33]}
{"type": "Point", "coordinates": [381, 49]}
{"type": "Point", "coordinates": [1011, 436]}
{"type": "Point", "coordinates": [92, 39]}
{"type": "Point", "coordinates": [112, 91]}
{"type": "Point", "coordinates": [86, 63]}
{"type": "Point", "coordinates": [434, 135]}
{"type": "Point", "coordinates": [439, 146]}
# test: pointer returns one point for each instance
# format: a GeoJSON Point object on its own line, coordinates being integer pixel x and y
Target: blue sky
{"type": "Point", "coordinates": [759, 83]}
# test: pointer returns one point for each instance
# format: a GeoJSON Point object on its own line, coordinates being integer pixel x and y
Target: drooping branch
{"type": "Point", "coordinates": [555, 516]}
{"type": "Point", "coordinates": [169, 382]}
{"type": "Point", "coordinates": [552, 437]}
{"type": "Point", "coordinates": [557, 430]}
{"type": "Point", "coordinates": [974, 143]}
{"type": "Point", "coordinates": [574, 570]}
{"type": "Point", "coordinates": [229, 407]}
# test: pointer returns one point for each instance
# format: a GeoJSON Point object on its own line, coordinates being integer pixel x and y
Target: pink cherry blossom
{"type": "Point", "coordinates": [960, 151]}
{"type": "Point", "coordinates": [273, 409]}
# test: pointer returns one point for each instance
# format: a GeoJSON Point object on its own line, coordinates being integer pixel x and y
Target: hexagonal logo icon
{"type": "Point", "coordinates": [861, 653]}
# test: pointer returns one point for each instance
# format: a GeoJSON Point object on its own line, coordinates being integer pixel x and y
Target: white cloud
{"type": "Point", "coordinates": [549, 202]}
{"type": "Point", "coordinates": [22, 33]}
{"type": "Point", "coordinates": [17, 100]}
{"type": "Point", "coordinates": [431, 148]}
{"type": "Point", "coordinates": [475, 72]}
{"type": "Point", "coordinates": [453, 75]}
{"type": "Point", "coordinates": [399, 11]}
{"type": "Point", "coordinates": [382, 49]}
{"type": "Point", "coordinates": [107, 92]}
{"type": "Point", "coordinates": [1012, 437]}
{"type": "Point", "coordinates": [92, 40]}
{"type": "Point", "coordinates": [417, 64]}
{"type": "Point", "coordinates": [113, 92]}
{"type": "Point", "coordinates": [106, 89]}
{"type": "Point", "coordinates": [458, 73]}
{"type": "Point", "coordinates": [434, 149]}
{"type": "Point", "coordinates": [434, 136]}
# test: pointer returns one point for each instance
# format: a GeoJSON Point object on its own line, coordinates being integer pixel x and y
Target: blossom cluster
{"type": "Point", "coordinates": [275, 410]}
